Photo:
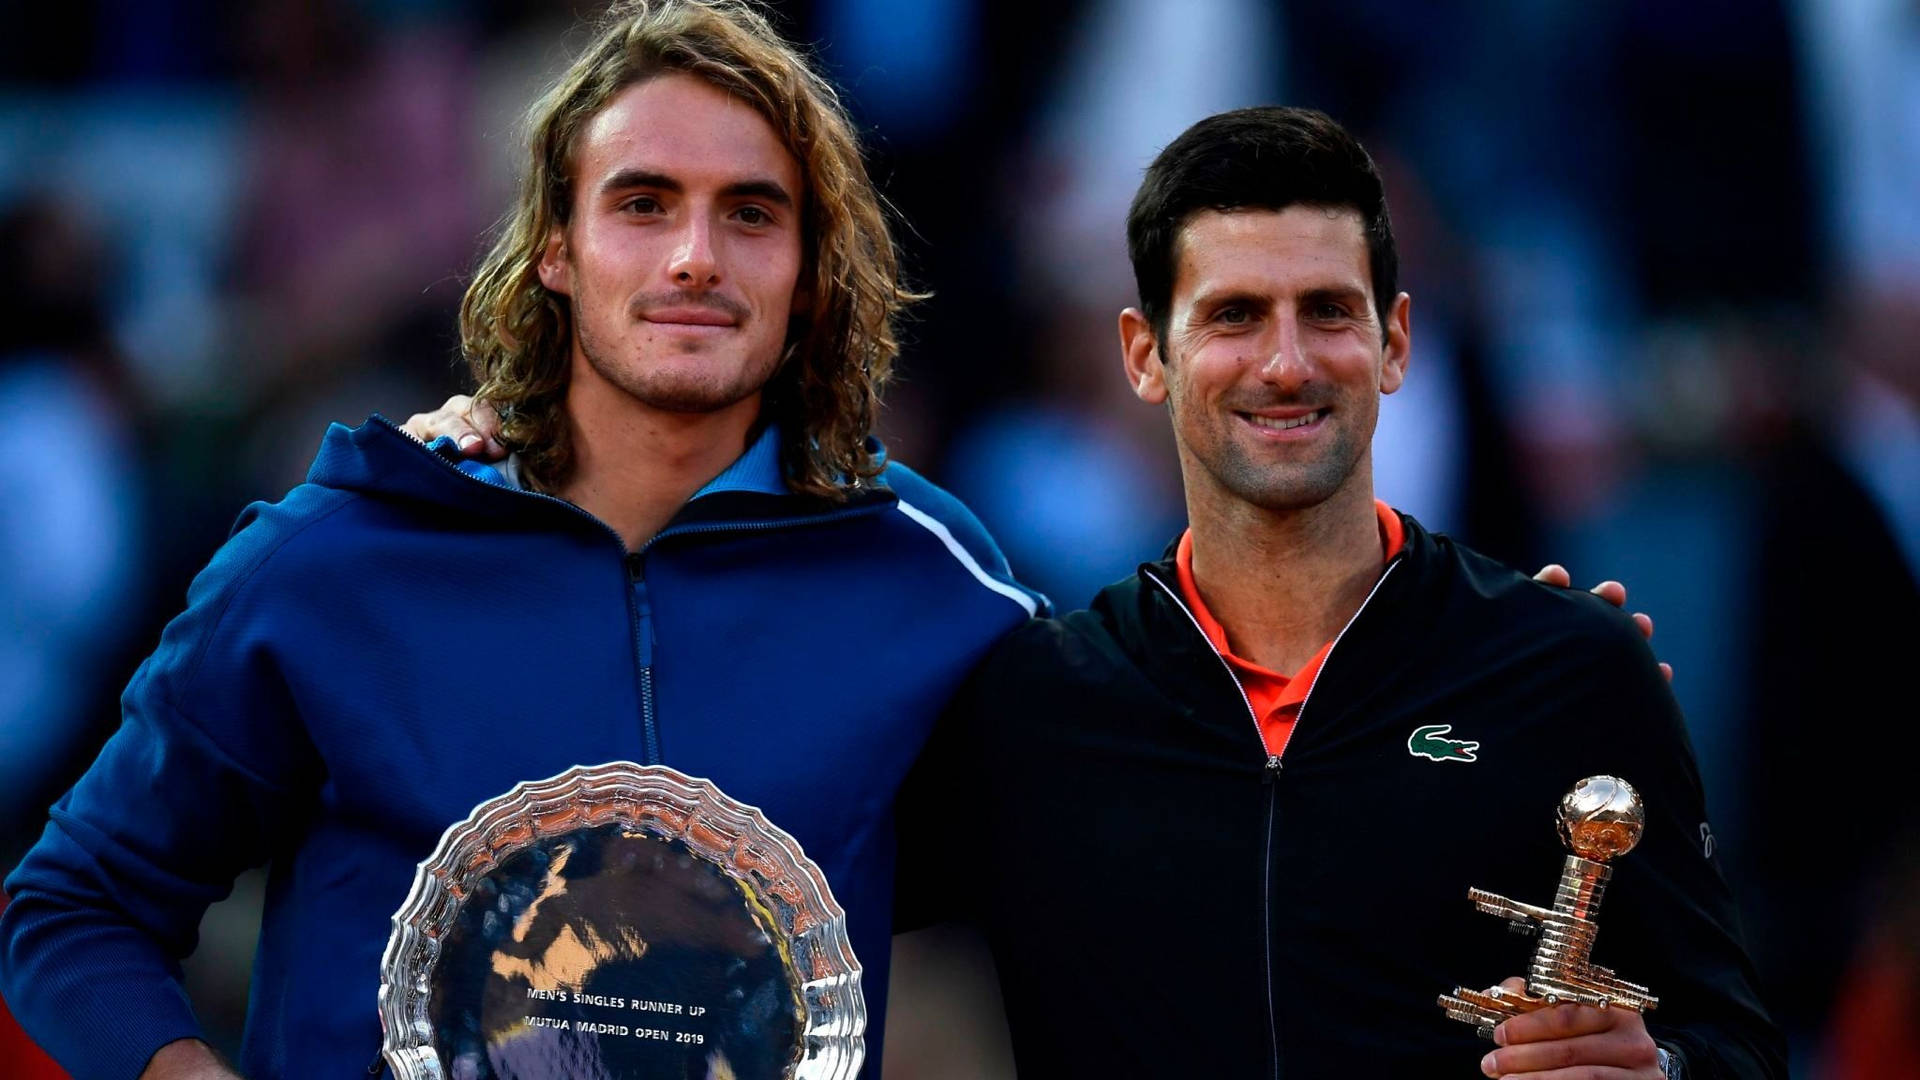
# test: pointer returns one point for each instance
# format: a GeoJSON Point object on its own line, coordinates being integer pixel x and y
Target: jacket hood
{"type": "Point", "coordinates": [379, 459]}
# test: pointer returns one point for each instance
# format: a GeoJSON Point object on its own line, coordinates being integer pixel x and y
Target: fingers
{"type": "Point", "coordinates": [486, 424]}
{"type": "Point", "coordinates": [420, 426]}
{"type": "Point", "coordinates": [1573, 1042]}
{"type": "Point", "coordinates": [1554, 574]}
{"type": "Point", "coordinates": [1613, 592]}
{"type": "Point", "coordinates": [1645, 623]}
{"type": "Point", "coordinates": [1562, 1022]}
{"type": "Point", "coordinates": [473, 426]}
{"type": "Point", "coordinates": [1589, 1072]}
{"type": "Point", "coordinates": [1610, 1056]}
{"type": "Point", "coordinates": [449, 420]}
{"type": "Point", "coordinates": [1618, 1048]}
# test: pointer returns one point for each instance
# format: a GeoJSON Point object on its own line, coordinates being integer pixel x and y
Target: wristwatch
{"type": "Point", "coordinates": [1669, 1065]}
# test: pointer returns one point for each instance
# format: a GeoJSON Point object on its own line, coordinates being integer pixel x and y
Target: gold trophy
{"type": "Point", "coordinates": [1600, 819]}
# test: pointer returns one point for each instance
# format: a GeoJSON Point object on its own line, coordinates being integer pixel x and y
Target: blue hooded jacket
{"type": "Point", "coordinates": [319, 707]}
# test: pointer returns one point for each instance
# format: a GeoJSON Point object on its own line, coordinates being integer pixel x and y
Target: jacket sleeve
{"type": "Point", "coordinates": [941, 813]}
{"type": "Point", "coordinates": [207, 772]}
{"type": "Point", "coordinates": [927, 891]}
{"type": "Point", "coordinates": [937, 511]}
{"type": "Point", "coordinates": [1669, 920]}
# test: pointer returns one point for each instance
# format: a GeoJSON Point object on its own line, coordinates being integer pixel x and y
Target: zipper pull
{"type": "Point", "coordinates": [1271, 770]}
{"type": "Point", "coordinates": [637, 578]}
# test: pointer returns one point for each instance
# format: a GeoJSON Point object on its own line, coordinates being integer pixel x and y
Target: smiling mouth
{"type": "Point", "coordinates": [1275, 423]}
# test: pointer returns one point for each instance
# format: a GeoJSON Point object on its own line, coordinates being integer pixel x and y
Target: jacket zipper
{"type": "Point", "coordinates": [643, 635]}
{"type": "Point", "coordinates": [639, 604]}
{"type": "Point", "coordinates": [1267, 772]}
{"type": "Point", "coordinates": [1272, 770]}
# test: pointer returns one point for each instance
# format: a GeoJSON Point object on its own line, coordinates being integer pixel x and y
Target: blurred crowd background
{"type": "Point", "coordinates": [1665, 260]}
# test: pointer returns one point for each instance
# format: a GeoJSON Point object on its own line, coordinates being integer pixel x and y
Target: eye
{"type": "Point", "coordinates": [1326, 310]}
{"type": "Point", "coordinates": [753, 216]}
{"type": "Point", "coordinates": [642, 204]}
{"type": "Point", "coordinates": [1234, 315]}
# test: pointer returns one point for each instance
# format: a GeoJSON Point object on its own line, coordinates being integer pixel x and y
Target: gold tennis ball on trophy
{"type": "Point", "coordinates": [1601, 818]}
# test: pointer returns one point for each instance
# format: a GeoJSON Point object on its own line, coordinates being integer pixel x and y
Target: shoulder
{"type": "Point", "coordinates": [272, 534]}
{"type": "Point", "coordinates": [1555, 660]}
{"type": "Point", "coordinates": [1078, 649]}
{"type": "Point", "coordinates": [277, 553]}
{"type": "Point", "coordinates": [944, 518]}
{"type": "Point", "coordinates": [1495, 603]}
{"type": "Point", "coordinates": [247, 594]}
{"type": "Point", "coordinates": [936, 507]}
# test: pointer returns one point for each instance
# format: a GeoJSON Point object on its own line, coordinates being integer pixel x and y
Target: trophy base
{"type": "Point", "coordinates": [1485, 1009]}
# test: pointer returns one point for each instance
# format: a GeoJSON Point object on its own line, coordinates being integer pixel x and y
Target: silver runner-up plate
{"type": "Point", "coordinates": [615, 922]}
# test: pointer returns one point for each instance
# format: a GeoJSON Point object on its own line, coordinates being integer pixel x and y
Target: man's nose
{"type": "Point", "coordinates": [693, 264]}
{"type": "Point", "coordinates": [1286, 363]}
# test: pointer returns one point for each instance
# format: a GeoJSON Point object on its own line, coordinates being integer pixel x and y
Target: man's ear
{"type": "Point", "coordinates": [1399, 350]}
{"type": "Point", "coordinates": [554, 268]}
{"type": "Point", "coordinates": [1140, 354]}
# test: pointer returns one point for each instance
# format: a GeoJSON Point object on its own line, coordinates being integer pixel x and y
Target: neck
{"type": "Point", "coordinates": [635, 466]}
{"type": "Point", "coordinates": [1283, 583]}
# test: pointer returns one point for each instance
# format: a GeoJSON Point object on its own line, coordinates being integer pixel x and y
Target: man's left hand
{"type": "Point", "coordinates": [1573, 1042]}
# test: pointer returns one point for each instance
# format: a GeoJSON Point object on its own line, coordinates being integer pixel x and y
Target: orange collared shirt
{"type": "Point", "coordinates": [1275, 698]}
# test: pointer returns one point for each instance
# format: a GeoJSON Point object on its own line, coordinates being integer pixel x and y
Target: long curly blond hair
{"type": "Point", "coordinates": [516, 334]}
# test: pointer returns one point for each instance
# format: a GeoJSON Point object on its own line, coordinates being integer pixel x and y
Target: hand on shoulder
{"type": "Point", "coordinates": [1611, 591]}
{"type": "Point", "coordinates": [472, 425]}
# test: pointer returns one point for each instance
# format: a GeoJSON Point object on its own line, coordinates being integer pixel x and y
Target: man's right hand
{"type": "Point", "coordinates": [472, 425]}
{"type": "Point", "coordinates": [187, 1059]}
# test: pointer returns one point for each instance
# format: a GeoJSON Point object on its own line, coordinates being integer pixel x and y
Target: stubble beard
{"type": "Point", "coordinates": [1295, 487]}
{"type": "Point", "coordinates": [1278, 487]}
{"type": "Point", "coordinates": [672, 391]}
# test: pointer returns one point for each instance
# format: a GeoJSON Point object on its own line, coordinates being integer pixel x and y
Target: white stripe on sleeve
{"type": "Point", "coordinates": [966, 558]}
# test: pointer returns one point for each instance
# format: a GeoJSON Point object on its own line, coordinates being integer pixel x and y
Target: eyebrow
{"type": "Point", "coordinates": [1213, 301]}
{"type": "Point", "coordinates": [1348, 293]}
{"type": "Point", "coordinates": [759, 187]}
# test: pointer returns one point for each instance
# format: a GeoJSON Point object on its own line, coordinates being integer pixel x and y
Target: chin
{"type": "Point", "coordinates": [692, 399]}
{"type": "Point", "coordinates": [1304, 489]}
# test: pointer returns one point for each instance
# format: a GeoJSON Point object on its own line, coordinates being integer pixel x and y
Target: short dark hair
{"type": "Point", "coordinates": [1264, 158]}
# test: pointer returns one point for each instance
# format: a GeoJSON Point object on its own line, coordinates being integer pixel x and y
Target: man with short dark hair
{"type": "Point", "coordinates": [1224, 822]}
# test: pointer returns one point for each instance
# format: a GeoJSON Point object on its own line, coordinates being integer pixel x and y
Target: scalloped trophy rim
{"type": "Point", "coordinates": [834, 1040]}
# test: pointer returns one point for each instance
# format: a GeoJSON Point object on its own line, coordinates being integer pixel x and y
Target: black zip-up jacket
{"type": "Point", "coordinates": [1164, 899]}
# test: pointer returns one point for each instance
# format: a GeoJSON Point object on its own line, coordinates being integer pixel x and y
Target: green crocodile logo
{"type": "Point", "coordinates": [1426, 742]}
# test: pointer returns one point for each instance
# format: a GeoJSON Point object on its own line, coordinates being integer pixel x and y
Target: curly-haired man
{"type": "Point", "coordinates": [695, 556]}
